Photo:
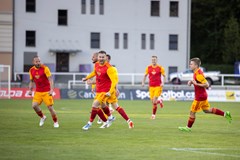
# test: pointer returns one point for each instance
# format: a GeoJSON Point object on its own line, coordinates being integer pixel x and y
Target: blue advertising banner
{"type": "Point", "coordinates": [128, 94]}
{"type": "Point", "coordinates": [167, 95]}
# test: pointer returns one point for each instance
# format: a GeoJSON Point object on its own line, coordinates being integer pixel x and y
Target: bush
{"type": "Point", "coordinates": [224, 68]}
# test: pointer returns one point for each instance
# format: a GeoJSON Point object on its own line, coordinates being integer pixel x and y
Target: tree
{"type": "Point", "coordinates": [208, 23]}
{"type": "Point", "coordinates": [231, 52]}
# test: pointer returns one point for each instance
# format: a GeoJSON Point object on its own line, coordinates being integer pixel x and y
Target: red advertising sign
{"type": "Point", "coordinates": [22, 93]}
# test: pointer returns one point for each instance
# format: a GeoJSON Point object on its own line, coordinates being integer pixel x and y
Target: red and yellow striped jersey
{"type": "Point", "coordinates": [40, 77]}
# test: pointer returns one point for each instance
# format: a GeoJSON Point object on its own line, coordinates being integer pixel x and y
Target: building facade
{"type": "Point", "coordinates": [6, 30]}
{"type": "Point", "coordinates": [65, 33]}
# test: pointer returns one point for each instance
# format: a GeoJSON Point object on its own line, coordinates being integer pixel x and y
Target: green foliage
{"type": "Point", "coordinates": [223, 68]}
{"type": "Point", "coordinates": [208, 22]}
{"type": "Point", "coordinates": [22, 138]}
{"type": "Point", "coordinates": [231, 51]}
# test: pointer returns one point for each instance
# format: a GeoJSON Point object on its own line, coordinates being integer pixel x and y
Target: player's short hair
{"type": "Point", "coordinates": [154, 56]}
{"type": "Point", "coordinates": [96, 53]}
{"type": "Point", "coordinates": [36, 57]}
{"type": "Point", "coordinates": [109, 57]}
{"type": "Point", "coordinates": [103, 52]}
{"type": "Point", "coordinates": [197, 61]}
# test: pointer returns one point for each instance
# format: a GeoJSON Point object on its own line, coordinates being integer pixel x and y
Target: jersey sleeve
{"type": "Point", "coordinates": [92, 74]}
{"type": "Point", "coordinates": [113, 77]}
{"type": "Point", "coordinates": [30, 75]}
{"type": "Point", "coordinates": [47, 71]}
{"type": "Point", "coordinates": [200, 78]}
{"type": "Point", "coordinates": [146, 71]}
{"type": "Point", "coordinates": [163, 71]}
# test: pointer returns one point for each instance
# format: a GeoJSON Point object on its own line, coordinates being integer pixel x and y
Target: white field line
{"type": "Point", "coordinates": [205, 151]}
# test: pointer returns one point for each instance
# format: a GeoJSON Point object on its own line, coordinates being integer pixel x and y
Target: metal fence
{"type": "Point", "coordinates": [125, 79]}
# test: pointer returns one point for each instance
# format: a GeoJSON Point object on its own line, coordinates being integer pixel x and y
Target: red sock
{"type": "Point", "coordinates": [93, 114]}
{"type": "Point", "coordinates": [154, 109]}
{"type": "Point", "coordinates": [40, 114]}
{"type": "Point", "coordinates": [217, 111]}
{"type": "Point", "coordinates": [106, 110]}
{"type": "Point", "coordinates": [190, 122]}
{"type": "Point", "coordinates": [101, 115]}
{"type": "Point", "coordinates": [122, 113]}
{"type": "Point", "coordinates": [54, 118]}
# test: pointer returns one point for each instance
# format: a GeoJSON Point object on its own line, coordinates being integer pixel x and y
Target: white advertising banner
{"type": "Point", "coordinates": [213, 95]}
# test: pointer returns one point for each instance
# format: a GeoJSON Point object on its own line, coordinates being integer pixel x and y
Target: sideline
{"type": "Point", "coordinates": [206, 151]}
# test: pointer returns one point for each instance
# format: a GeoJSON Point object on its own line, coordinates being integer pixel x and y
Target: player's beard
{"type": "Point", "coordinates": [37, 65]}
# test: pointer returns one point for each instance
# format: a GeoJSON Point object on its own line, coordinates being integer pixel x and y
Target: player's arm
{"type": "Point", "coordinates": [144, 77]}
{"type": "Point", "coordinates": [50, 79]}
{"type": "Point", "coordinates": [203, 82]}
{"type": "Point", "coordinates": [30, 85]}
{"type": "Point", "coordinates": [112, 74]}
{"type": "Point", "coordinates": [162, 76]}
{"type": "Point", "coordinates": [92, 74]}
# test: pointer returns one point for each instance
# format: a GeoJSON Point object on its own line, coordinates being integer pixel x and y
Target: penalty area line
{"type": "Point", "coordinates": [206, 151]}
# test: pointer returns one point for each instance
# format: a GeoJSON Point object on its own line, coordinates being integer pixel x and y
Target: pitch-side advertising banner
{"type": "Point", "coordinates": [167, 95]}
{"type": "Point", "coordinates": [22, 93]}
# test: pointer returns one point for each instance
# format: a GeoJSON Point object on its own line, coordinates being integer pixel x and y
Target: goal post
{"type": "Point", "coordinates": [5, 81]}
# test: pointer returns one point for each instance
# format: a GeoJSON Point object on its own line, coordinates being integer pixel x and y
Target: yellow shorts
{"type": "Point", "coordinates": [155, 92]}
{"type": "Point", "coordinates": [101, 97]}
{"type": "Point", "coordinates": [198, 106]}
{"type": "Point", "coordinates": [40, 97]}
{"type": "Point", "coordinates": [112, 98]}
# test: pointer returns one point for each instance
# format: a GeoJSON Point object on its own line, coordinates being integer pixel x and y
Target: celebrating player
{"type": "Point", "coordinates": [105, 85]}
{"type": "Point", "coordinates": [112, 100]}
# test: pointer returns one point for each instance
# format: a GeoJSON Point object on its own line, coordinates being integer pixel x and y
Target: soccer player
{"type": "Point", "coordinates": [200, 102]}
{"type": "Point", "coordinates": [113, 101]}
{"type": "Point", "coordinates": [41, 76]}
{"type": "Point", "coordinates": [156, 75]}
{"type": "Point", "coordinates": [93, 84]}
{"type": "Point", "coordinates": [105, 85]}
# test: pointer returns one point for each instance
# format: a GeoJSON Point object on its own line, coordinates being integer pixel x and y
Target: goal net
{"type": "Point", "coordinates": [5, 81]}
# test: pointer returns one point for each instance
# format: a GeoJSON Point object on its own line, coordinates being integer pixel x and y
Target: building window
{"type": "Point", "coordinates": [155, 8]}
{"type": "Point", "coordinates": [92, 7]}
{"type": "Point", "coordinates": [173, 9]}
{"type": "Point", "coordinates": [30, 38]}
{"type": "Point", "coordinates": [95, 40]}
{"type": "Point", "coordinates": [152, 41]}
{"type": "Point", "coordinates": [143, 39]}
{"type": "Point", "coordinates": [62, 17]}
{"type": "Point", "coordinates": [125, 40]}
{"type": "Point", "coordinates": [27, 60]}
{"type": "Point", "coordinates": [83, 6]}
{"type": "Point", "coordinates": [173, 42]}
{"type": "Point", "coordinates": [101, 7]}
{"type": "Point", "coordinates": [116, 40]}
{"type": "Point", "coordinates": [30, 5]}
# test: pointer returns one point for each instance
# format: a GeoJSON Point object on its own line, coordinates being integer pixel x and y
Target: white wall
{"type": "Point", "coordinates": [120, 16]}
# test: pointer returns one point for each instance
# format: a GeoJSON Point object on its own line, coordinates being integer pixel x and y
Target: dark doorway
{"type": "Point", "coordinates": [62, 61]}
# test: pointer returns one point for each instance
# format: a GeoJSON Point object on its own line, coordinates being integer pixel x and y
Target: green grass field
{"type": "Point", "coordinates": [212, 137]}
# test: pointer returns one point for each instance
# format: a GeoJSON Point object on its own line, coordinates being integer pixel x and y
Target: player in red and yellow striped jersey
{"type": "Point", "coordinates": [105, 86]}
{"type": "Point", "coordinates": [200, 102]}
{"type": "Point", "coordinates": [156, 74]}
{"type": "Point", "coordinates": [41, 76]}
{"type": "Point", "coordinates": [113, 100]}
